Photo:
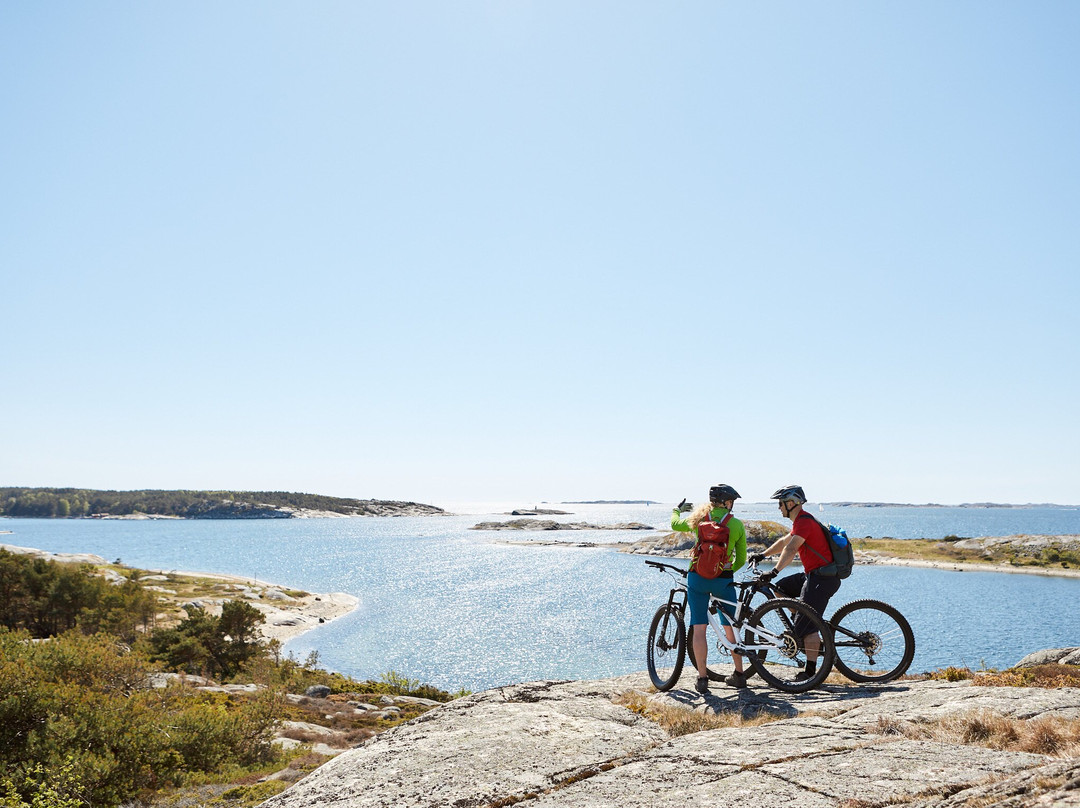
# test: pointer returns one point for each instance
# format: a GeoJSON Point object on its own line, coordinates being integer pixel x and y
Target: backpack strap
{"type": "Point", "coordinates": [824, 535]}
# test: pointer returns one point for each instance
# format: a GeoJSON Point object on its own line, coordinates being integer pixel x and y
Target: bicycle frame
{"type": "Point", "coordinates": [771, 591]}
{"type": "Point", "coordinates": [773, 641]}
{"type": "Point", "coordinates": [739, 646]}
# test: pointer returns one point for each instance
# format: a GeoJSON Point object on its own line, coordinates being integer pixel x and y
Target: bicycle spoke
{"type": "Point", "coordinates": [878, 644]}
{"type": "Point", "coordinates": [778, 651]}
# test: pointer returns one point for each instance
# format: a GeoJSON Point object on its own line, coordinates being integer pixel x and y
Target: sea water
{"type": "Point", "coordinates": [460, 608]}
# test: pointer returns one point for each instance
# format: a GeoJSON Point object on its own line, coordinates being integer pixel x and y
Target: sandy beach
{"type": "Point", "coordinates": [288, 614]}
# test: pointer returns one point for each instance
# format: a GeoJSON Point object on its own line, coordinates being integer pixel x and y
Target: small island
{"type": "Point", "coordinates": [74, 503]}
{"type": "Point", "coordinates": [1004, 505]}
{"type": "Point", "coordinates": [611, 502]}
{"type": "Point", "coordinates": [550, 524]}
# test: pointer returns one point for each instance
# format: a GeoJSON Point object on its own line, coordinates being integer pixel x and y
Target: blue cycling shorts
{"type": "Point", "coordinates": [698, 590]}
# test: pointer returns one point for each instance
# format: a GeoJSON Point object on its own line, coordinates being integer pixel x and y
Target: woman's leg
{"type": "Point", "coordinates": [701, 650]}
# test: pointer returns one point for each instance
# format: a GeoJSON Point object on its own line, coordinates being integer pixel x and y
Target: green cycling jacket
{"type": "Point", "coordinates": [737, 534]}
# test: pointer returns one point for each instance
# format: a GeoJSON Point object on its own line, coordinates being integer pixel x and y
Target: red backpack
{"type": "Point", "coordinates": [710, 554]}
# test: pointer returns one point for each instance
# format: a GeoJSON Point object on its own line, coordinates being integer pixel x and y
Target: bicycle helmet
{"type": "Point", "coordinates": [722, 493]}
{"type": "Point", "coordinates": [792, 492]}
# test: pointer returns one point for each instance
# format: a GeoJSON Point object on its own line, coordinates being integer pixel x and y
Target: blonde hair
{"type": "Point", "coordinates": [700, 512]}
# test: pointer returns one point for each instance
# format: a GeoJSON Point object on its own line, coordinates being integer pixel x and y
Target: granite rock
{"type": "Point", "coordinates": [570, 744]}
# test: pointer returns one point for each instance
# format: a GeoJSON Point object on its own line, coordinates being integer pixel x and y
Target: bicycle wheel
{"type": "Point", "coordinates": [874, 642]}
{"type": "Point", "coordinates": [783, 659]}
{"type": "Point", "coordinates": [667, 647]}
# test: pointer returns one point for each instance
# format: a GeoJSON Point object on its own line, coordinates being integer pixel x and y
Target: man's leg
{"type": "Point", "coordinates": [736, 658]}
{"type": "Point", "coordinates": [816, 593]}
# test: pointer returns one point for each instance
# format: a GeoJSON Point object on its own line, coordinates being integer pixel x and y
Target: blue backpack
{"type": "Point", "coordinates": [843, 557]}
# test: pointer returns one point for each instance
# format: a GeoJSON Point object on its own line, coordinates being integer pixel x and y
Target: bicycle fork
{"type": "Point", "coordinates": [671, 607]}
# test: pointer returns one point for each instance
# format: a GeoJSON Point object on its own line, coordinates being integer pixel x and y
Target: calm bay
{"type": "Point", "coordinates": [460, 608]}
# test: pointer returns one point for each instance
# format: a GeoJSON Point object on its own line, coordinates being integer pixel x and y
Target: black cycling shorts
{"type": "Point", "coordinates": [814, 590]}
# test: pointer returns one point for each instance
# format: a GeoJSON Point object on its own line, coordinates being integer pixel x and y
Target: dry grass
{"type": "Point", "coordinates": [677, 721]}
{"type": "Point", "coordinates": [945, 550]}
{"type": "Point", "coordinates": [952, 674]}
{"type": "Point", "coordinates": [1046, 735]}
{"type": "Point", "coordinates": [1049, 676]}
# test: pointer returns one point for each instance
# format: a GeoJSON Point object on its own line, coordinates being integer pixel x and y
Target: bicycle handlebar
{"type": "Point", "coordinates": [751, 565]}
{"type": "Point", "coordinates": [662, 566]}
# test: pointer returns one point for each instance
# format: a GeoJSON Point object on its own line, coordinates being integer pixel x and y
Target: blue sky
{"type": "Point", "coordinates": [536, 251]}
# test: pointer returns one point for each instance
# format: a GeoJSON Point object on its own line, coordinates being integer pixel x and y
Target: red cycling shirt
{"type": "Point", "coordinates": [813, 537]}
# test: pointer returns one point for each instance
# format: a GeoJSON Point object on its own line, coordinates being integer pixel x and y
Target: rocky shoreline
{"type": "Point", "coordinates": [288, 613]}
{"type": "Point", "coordinates": [678, 545]}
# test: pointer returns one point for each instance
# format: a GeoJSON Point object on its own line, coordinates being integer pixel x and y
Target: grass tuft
{"type": "Point", "coordinates": [676, 721]}
{"type": "Point", "coordinates": [1045, 735]}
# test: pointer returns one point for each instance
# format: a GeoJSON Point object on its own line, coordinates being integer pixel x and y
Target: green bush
{"type": "Point", "coordinates": [83, 702]}
{"type": "Point", "coordinates": [213, 646]}
{"type": "Point", "coordinates": [61, 788]}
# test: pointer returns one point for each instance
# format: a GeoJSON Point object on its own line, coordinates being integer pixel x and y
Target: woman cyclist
{"type": "Point", "coordinates": [716, 513]}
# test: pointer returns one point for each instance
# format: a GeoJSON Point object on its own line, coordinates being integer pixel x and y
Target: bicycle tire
{"type": "Point", "coordinates": [780, 666]}
{"type": "Point", "coordinates": [667, 644]}
{"type": "Point", "coordinates": [884, 644]}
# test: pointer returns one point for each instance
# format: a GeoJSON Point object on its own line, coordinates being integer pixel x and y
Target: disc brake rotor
{"type": "Point", "coordinates": [871, 642]}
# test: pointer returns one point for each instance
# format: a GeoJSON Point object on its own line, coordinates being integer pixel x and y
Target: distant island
{"type": "Point", "coordinates": [68, 503]}
{"type": "Point", "coordinates": [610, 502]}
{"type": "Point", "coordinates": [938, 505]}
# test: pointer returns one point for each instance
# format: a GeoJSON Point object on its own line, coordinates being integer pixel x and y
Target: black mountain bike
{"type": "Point", "coordinates": [873, 641]}
{"type": "Point", "coordinates": [764, 634]}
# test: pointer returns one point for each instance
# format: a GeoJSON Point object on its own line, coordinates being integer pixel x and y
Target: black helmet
{"type": "Point", "coordinates": [722, 493]}
{"type": "Point", "coordinates": [794, 492]}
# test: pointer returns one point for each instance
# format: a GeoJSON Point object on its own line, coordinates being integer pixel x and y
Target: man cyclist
{"type": "Point", "coordinates": [698, 588]}
{"type": "Point", "coordinates": [807, 538]}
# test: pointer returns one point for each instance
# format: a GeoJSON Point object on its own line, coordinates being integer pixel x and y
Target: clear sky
{"type": "Point", "coordinates": [481, 251]}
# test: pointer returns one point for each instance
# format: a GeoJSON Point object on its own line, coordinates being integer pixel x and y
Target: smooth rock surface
{"type": "Point", "coordinates": [1062, 656]}
{"type": "Point", "coordinates": [568, 744]}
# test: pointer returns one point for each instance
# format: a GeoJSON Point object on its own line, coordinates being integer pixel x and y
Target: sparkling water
{"type": "Point", "coordinates": [460, 608]}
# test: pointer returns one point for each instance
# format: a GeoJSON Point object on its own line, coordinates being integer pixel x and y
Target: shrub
{"type": "Point", "coordinates": [214, 646]}
{"type": "Point", "coordinates": [81, 702]}
{"type": "Point", "coordinates": [61, 788]}
{"type": "Point", "coordinates": [952, 674]}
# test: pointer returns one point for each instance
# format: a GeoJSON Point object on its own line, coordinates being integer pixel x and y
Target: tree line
{"type": "Point", "coordinates": [53, 503]}
{"type": "Point", "coordinates": [46, 599]}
